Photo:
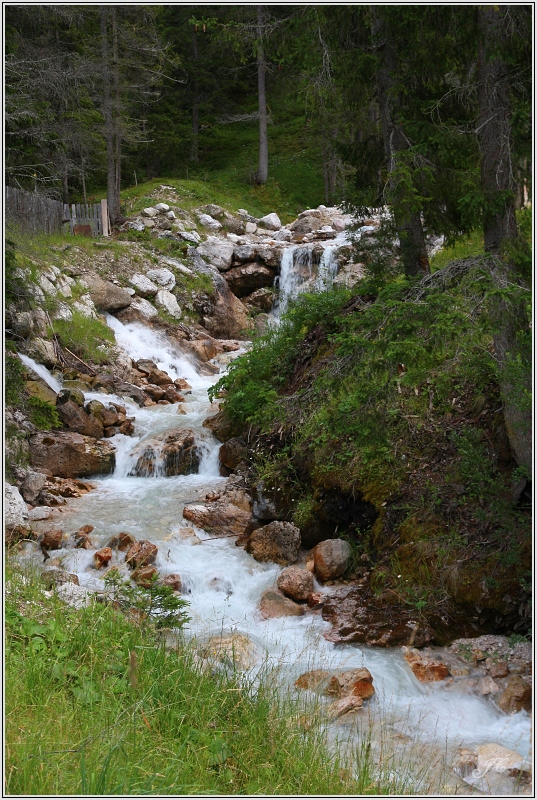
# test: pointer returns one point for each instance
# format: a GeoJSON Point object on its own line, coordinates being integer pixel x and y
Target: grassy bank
{"type": "Point", "coordinates": [95, 704]}
{"type": "Point", "coordinates": [392, 397]}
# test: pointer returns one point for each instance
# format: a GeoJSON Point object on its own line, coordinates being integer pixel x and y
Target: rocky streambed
{"type": "Point", "coordinates": [258, 599]}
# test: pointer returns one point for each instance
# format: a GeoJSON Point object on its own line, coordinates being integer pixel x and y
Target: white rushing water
{"type": "Point", "coordinates": [223, 583]}
{"type": "Point", "coordinates": [42, 371]}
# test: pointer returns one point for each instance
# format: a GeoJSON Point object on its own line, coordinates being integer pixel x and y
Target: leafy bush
{"type": "Point", "coordinates": [43, 414]}
{"type": "Point", "coordinates": [14, 380]}
{"type": "Point", "coordinates": [158, 603]}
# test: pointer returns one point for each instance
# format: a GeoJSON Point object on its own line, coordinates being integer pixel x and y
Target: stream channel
{"type": "Point", "coordinates": [418, 724]}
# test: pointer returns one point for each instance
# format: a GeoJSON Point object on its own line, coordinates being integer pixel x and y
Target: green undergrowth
{"type": "Point", "coordinates": [96, 704]}
{"type": "Point", "coordinates": [393, 397]}
{"type": "Point", "coordinates": [86, 337]}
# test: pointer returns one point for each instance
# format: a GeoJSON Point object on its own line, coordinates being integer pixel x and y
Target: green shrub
{"type": "Point", "coordinates": [43, 414]}
{"type": "Point", "coordinates": [14, 380]}
{"type": "Point", "coordinates": [87, 337]}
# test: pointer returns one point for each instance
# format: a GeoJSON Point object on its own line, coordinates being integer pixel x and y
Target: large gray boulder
{"type": "Point", "coordinates": [143, 285]}
{"type": "Point", "coordinates": [271, 222]}
{"type": "Point", "coordinates": [106, 295]}
{"type": "Point", "coordinates": [163, 277]}
{"type": "Point", "coordinates": [16, 511]}
{"type": "Point", "coordinates": [219, 252]}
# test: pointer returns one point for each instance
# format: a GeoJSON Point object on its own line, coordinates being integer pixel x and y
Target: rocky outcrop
{"type": "Point", "coordinates": [277, 541]}
{"type": "Point", "coordinates": [15, 510]}
{"type": "Point", "coordinates": [357, 616]}
{"type": "Point", "coordinates": [493, 770]}
{"type": "Point", "coordinates": [219, 518]}
{"type": "Point", "coordinates": [70, 455]}
{"type": "Point", "coordinates": [221, 427]}
{"type": "Point", "coordinates": [274, 603]}
{"type": "Point", "coordinates": [516, 696]}
{"type": "Point", "coordinates": [173, 452]}
{"type": "Point", "coordinates": [330, 559]}
{"type": "Point", "coordinates": [246, 279]}
{"type": "Point", "coordinates": [354, 682]}
{"type": "Point", "coordinates": [218, 252]}
{"type": "Point", "coordinates": [296, 583]}
{"type": "Point", "coordinates": [102, 557]}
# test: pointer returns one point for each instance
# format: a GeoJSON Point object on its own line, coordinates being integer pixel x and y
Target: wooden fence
{"type": "Point", "coordinates": [40, 214]}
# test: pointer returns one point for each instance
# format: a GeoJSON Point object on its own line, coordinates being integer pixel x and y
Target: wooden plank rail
{"type": "Point", "coordinates": [38, 213]}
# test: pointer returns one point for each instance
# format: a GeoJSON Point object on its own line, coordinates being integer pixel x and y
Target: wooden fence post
{"type": "Point", "coordinates": [104, 215]}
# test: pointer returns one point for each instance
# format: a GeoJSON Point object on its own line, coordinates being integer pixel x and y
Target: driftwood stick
{"type": "Point", "coordinates": [81, 361]}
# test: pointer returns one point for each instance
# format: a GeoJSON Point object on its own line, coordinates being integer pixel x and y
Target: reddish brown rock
{"type": "Point", "coordinates": [82, 537]}
{"type": "Point", "coordinates": [358, 682]}
{"type": "Point", "coordinates": [277, 541]}
{"type": "Point", "coordinates": [314, 680]}
{"type": "Point", "coordinates": [172, 452]}
{"type": "Point", "coordinates": [173, 581]}
{"type": "Point", "coordinates": [296, 583]}
{"type": "Point", "coordinates": [52, 540]}
{"type": "Point", "coordinates": [425, 669]}
{"type": "Point", "coordinates": [182, 384]}
{"type": "Point", "coordinates": [316, 600]}
{"type": "Point", "coordinates": [330, 559]}
{"type": "Point", "coordinates": [126, 428]}
{"type": "Point", "coordinates": [221, 426]}
{"type": "Point", "coordinates": [144, 576]}
{"type": "Point", "coordinates": [496, 669]}
{"type": "Point", "coordinates": [155, 392]}
{"type": "Point", "coordinates": [123, 541]}
{"type": "Point", "coordinates": [102, 557]}
{"type": "Point", "coordinates": [516, 696]}
{"type": "Point", "coordinates": [76, 419]}
{"type": "Point", "coordinates": [347, 705]}
{"type": "Point", "coordinates": [159, 377]}
{"type": "Point", "coordinates": [357, 615]}
{"type": "Point", "coordinates": [220, 518]}
{"type": "Point", "coordinates": [233, 452]}
{"type": "Point", "coordinates": [141, 554]}
{"type": "Point", "coordinates": [204, 349]}
{"type": "Point", "coordinates": [69, 455]}
{"type": "Point", "coordinates": [274, 604]}
{"type": "Point", "coordinates": [172, 395]}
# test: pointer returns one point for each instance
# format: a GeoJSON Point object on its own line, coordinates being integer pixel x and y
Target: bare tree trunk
{"type": "Point", "coordinates": [116, 117]}
{"type": "Point", "coordinates": [325, 169]}
{"type": "Point", "coordinates": [110, 113]}
{"type": "Point", "coordinates": [262, 167]}
{"type": "Point", "coordinates": [194, 147]}
{"type": "Point", "coordinates": [65, 187]}
{"type": "Point", "coordinates": [497, 182]}
{"type": "Point", "coordinates": [409, 228]}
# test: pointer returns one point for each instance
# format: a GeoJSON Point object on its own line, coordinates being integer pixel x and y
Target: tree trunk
{"type": "Point", "coordinates": [512, 334]}
{"type": "Point", "coordinates": [65, 187]}
{"type": "Point", "coordinates": [194, 147]}
{"type": "Point", "coordinates": [110, 112]}
{"type": "Point", "coordinates": [408, 223]}
{"type": "Point", "coordinates": [262, 167]}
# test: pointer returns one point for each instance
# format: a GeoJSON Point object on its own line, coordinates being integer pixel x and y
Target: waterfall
{"type": "Point", "coordinates": [299, 272]}
{"type": "Point", "coordinates": [42, 371]}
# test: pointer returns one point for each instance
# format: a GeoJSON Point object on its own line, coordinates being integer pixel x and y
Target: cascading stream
{"type": "Point", "coordinates": [224, 583]}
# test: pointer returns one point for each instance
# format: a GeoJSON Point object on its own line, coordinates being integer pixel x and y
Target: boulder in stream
{"type": "Point", "coordinates": [141, 554]}
{"type": "Point", "coordinates": [358, 616]}
{"type": "Point", "coordinates": [219, 518]}
{"type": "Point", "coordinates": [172, 452]}
{"type": "Point", "coordinates": [274, 603]}
{"type": "Point", "coordinates": [277, 541]}
{"type": "Point", "coordinates": [68, 455]}
{"type": "Point", "coordinates": [330, 559]}
{"type": "Point", "coordinates": [296, 583]}
{"type": "Point", "coordinates": [425, 669]}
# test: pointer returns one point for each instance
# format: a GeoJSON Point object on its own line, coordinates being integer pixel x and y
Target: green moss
{"type": "Point", "coordinates": [43, 414]}
{"type": "Point", "coordinates": [87, 337]}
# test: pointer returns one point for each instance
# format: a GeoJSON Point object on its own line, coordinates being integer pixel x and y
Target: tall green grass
{"type": "Point", "coordinates": [96, 704]}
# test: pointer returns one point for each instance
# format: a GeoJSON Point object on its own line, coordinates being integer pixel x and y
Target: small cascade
{"type": "Point", "coordinates": [42, 371]}
{"type": "Point", "coordinates": [327, 270]}
{"type": "Point", "coordinates": [138, 342]}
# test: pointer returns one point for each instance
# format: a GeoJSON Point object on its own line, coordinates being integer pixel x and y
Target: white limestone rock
{"type": "Point", "coordinates": [143, 285]}
{"type": "Point", "coordinates": [144, 307]}
{"type": "Point", "coordinates": [163, 277]}
{"type": "Point", "coordinates": [271, 222]}
{"type": "Point", "coordinates": [162, 207]}
{"type": "Point", "coordinates": [150, 212]}
{"type": "Point", "coordinates": [16, 510]}
{"type": "Point", "coordinates": [219, 252]}
{"type": "Point", "coordinates": [209, 222]}
{"type": "Point", "coordinates": [165, 299]}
